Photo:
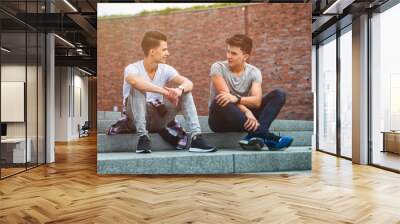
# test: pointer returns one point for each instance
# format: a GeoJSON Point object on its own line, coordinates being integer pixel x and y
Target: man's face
{"type": "Point", "coordinates": [160, 53]}
{"type": "Point", "coordinates": [235, 56]}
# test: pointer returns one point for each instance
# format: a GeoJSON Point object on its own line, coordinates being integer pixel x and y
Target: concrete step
{"type": "Point", "coordinates": [278, 125]}
{"type": "Point", "coordinates": [127, 142]}
{"type": "Point", "coordinates": [108, 115]}
{"type": "Point", "coordinates": [221, 162]}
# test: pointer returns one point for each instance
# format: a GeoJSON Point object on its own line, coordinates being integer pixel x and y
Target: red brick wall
{"type": "Point", "coordinates": [281, 36]}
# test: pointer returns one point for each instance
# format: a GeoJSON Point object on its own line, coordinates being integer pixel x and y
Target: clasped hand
{"type": "Point", "coordinates": [173, 95]}
{"type": "Point", "coordinates": [251, 123]}
{"type": "Point", "coordinates": [224, 98]}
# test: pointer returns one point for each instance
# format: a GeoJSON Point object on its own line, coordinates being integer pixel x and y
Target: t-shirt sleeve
{"type": "Point", "coordinates": [170, 72]}
{"type": "Point", "coordinates": [131, 70]}
{"type": "Point", "coordinates": [257, 77]}
{"type": "Point", "coordinates": [216, 69]}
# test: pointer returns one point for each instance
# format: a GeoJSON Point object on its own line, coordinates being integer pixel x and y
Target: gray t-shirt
{"type": "Point", "coordinates": [240, 85]}
{"type": "Point", "coordinates": [164, 73]}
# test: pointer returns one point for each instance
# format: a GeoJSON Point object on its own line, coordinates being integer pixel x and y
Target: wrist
{"type": "Point", "coordinates": [180, 87]}
{"type": "Point", "coordinates": [238, 98]}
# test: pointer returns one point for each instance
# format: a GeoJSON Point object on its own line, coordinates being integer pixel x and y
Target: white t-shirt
{"type": "Point", "coordinates": [164, 73]}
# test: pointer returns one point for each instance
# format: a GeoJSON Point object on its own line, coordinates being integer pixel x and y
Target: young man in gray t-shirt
{"type": "Point", "coordinates": [236, 102]}
{"type": "Point", "coordinates": [144, 92]}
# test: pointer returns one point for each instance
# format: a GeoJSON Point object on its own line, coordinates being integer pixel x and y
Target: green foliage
{"type": "Point", "coordinates": [169, 10]}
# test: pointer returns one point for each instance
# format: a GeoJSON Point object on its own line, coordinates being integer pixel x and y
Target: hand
{"type": "Point", "coordinates": [224, 98]}
{"type": "Point", "coordinates": [251, 124]}
{"type": "Point", "coordinates": [176, 91]}
{"type": "Point", "coordinates": [171, 96]}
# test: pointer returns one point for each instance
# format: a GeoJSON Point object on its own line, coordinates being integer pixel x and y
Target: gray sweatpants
{"type": "Point", "coordinates": [144, 118]}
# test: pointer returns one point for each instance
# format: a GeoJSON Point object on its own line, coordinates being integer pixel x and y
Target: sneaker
{"type": "Point", "coordinates": [278, 142]}
{"type": "Point", "coordinates": [183, 143]}
{"type": "Point", "coordinates": [144, 145]}
{"type": "Point", "coordinates": [178, 141]}
{"type": "Point", "coordinates": [198, 144]}
{"type": "Point", "coordinates": [250, 142]}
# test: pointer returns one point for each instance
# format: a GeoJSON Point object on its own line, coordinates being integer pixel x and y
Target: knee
{"type": "Point", "coordinates": [187, 97]}
{"type": "Point", "coordinates": [187, 94]}
{"type": "Point", "coordinates": [279, 95]}
{"type": "Point", "coordinates": [136, 93]}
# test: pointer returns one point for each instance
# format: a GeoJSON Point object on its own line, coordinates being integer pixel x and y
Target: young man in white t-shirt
{"type": "Point", "coordinates": [144, 89]}
{"type": "Point", "coordinates": [236, 102]}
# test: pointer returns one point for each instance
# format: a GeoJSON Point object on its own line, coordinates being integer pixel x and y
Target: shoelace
{"type": "Point", "coordinates": [144, 141]}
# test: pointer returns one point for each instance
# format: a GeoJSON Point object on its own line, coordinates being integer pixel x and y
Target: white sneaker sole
{"type": "Point", "coordinates": [202, 150]}
{"type": "Point", "coordinates": [143, 151]}
{"type": "Point", "coordinates": [251, 145]}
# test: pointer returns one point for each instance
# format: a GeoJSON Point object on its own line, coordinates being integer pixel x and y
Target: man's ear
{"type": "Point", "coordinates": [151, 52]}
{"type": "Point", "coordinates": [246, 57]}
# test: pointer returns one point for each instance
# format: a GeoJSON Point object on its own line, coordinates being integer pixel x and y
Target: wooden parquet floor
{"type": "Point", "coordinates": [70, 191]}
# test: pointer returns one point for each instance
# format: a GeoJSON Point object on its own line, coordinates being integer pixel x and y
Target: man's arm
{"type": "Point", "coordinates": [251, 123]}
{"type": "Point", "coordinates": [144, 85]}
{"type": "Point", "coordinates": [224, 95]}
{"type": "Point", "coordinates": [254, 100]}
{"type": "Point", "coordinates": [219, 84]}
{"type": "Point", "coordinates": [182, 81]}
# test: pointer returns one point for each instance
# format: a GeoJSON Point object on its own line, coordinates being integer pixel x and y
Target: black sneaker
{"type": "Point", "coordinates": [144, 145]}
{"type": "Point", "coordinates": [250, 142]}
{"type": "Point", "coordinates": [198, 144]}
{"type": "Point", "coordinates": [180, 140]}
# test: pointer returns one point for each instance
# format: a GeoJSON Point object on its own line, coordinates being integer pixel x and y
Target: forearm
{"type": "Point", "coordinates": [242, 108]}
{"type": "Point", "coordinates": [251, 101]}
{"type": "Point", "coordinates": [187, 86]}
{"type": "Point", "coordinates": [146, 86]}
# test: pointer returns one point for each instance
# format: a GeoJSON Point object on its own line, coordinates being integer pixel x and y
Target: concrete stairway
{"type": "Point", "coordinates": [116, 153]}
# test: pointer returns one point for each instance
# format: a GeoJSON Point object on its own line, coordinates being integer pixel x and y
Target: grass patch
{"type": "Point", "coordinates": [170, 10]}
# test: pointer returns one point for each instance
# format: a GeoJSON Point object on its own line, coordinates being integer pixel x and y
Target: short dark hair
{"type": "Point", "coordinates": [240, 40]}
{"type": "Point", "coordinates": [151, 40]}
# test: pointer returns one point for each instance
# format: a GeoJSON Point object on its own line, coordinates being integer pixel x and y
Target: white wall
{"type": "Point", "coordinates": [14, 72]}
{"type": "Point", "coordinates": [69, 85]}
{"type": "Point", "coordinates": [61, 103]}
{"type": "Point", "coordinates": [33, 127]}
{"type": "Point", "coordinates": [80, 110]}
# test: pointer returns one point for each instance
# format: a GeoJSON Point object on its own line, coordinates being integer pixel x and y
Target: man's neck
{"type": "Point", "coordinates": [237, 69]}
{"type": "Point", "coordinates": [150, 66]}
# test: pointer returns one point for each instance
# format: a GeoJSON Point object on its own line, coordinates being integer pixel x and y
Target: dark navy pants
{"type": "Point", "coordinates": [231, 119]}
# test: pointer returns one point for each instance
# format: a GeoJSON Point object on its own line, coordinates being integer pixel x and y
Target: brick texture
{"type": "Point", "coordinates": [281, 36]}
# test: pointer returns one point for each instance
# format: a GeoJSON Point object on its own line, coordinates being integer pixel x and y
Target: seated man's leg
{"type": "Point", "coordinates": [188, 108]}
{"type": "Point", "coordinates": [189, 111]}
{"type": "Point", "coordinates": [271, 105]}
{"type": "Point", "coordinates": [136, 112]}
{"type": "Point", "coordinates": [157, 121]}
{"type": "Point", "coordinates": [230, 118]}
{"type": "Point", "coordinates": [226, 119]}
